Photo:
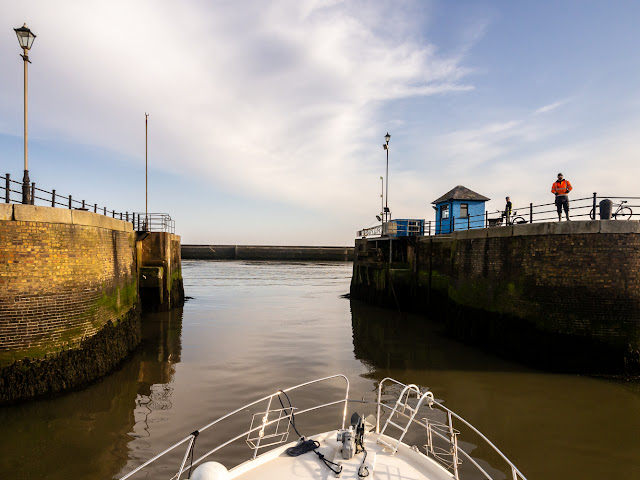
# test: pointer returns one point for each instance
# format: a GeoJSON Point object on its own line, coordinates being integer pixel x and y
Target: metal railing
{"type": "Point", "coordinates": [152, 222]}
{"type": "Point", "coordinates": [451, 456]}
{"type": "Point", "coordinates": [259, 429]}
{"type": "Point", "coordinates": [586, 208]}
{"type": "Point", "coordinates": [265, 427]}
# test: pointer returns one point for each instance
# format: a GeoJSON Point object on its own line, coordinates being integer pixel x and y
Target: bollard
{"type": "Point", "coordinates": [605, 209]}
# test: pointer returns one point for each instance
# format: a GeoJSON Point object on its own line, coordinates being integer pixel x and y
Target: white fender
{"type": "Point", "coordinates": [210, 471]}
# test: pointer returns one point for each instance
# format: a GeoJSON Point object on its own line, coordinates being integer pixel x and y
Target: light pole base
{"type": "Point", "coordinates": [26, 191]}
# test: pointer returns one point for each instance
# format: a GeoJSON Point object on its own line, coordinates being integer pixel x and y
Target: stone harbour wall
{"type": "Point", "coordinates": [64, 276]}
{"type": "Point", "coordinates": [561, 296]}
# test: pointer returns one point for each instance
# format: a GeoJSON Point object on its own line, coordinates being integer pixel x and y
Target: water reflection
{"type": "Point", "coordinates": [389, 340]}
{"type": "Point", "coordinates": [85, 434]}
{"type": "Point", "coordinates": [161, 351]}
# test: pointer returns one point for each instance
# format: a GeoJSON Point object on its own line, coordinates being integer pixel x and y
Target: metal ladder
{"type": "Point", "coordinates": [404, 405]}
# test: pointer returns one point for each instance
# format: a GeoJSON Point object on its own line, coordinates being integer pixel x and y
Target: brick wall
{"type": "Point", "coordinates": [63, 275]}
{"type": "Point", "coordinates": [539, 291]}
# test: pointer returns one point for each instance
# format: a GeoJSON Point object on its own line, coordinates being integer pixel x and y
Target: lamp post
{"type": "Point", "coordinates": [25, 38]}
{"type": "Point", "coordinates": [146, 176]}
{"type": "Point", "coordinates": [387, 137]}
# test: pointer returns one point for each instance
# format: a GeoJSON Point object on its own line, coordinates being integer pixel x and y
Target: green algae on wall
{"type": "Point", "coordinates": [96, 356]}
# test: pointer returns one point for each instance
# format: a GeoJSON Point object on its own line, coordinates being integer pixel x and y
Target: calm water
{"type": "Point", "coordinates": [254, 327]}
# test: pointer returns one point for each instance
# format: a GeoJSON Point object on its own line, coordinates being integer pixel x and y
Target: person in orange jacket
{"type": "Point", "coordinates": [561, 189]}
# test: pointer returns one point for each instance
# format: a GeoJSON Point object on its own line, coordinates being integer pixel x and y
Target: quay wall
{"type": "Point", "coordinates": [266, 252]}
{"type": "Point", "coordinates": [562, 296]}
{"type": "Point", "coordinates": [160, 267]}
{"type": "Point", "coordinates": [68, 281]}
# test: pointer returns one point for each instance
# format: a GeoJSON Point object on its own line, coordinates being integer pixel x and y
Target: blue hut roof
{"type": "Point", "coordinates": [461, 193]}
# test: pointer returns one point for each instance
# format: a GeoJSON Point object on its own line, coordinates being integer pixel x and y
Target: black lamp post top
{"type": "Point", "coordinates": [25, 36]}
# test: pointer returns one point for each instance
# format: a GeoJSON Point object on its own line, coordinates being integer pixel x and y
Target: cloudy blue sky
{"type": "Point", "coordinates": [267, 118]}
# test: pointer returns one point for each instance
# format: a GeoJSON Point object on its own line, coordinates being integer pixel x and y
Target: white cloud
{"type": "Point", "coordinates": [286, 102]}
{"type": "Point", "coordinates": [267, 99]}
{"type": "Point", "coordinates": [551, 107]}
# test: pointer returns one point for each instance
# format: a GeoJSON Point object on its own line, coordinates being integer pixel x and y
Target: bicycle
{"type": "Point", "coordinates": [622, 212]}
{"type": "Point", "coordinates": [514, 219]}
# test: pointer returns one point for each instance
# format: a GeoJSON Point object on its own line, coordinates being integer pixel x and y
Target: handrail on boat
{"type": "Point", "coordinates": [514, 470]}
{"type": "Point", "coordinates": [408, 391]}
{"type": "Point", "coordinates": [191, 437]}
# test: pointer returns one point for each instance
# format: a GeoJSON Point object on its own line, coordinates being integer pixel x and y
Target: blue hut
{"type": "Point", "coordinates": [459, 209]}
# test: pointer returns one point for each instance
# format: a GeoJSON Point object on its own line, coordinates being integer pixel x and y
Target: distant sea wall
{"type": "Point", "coordinates": [563, 296]}
{"type": "Point", "coordinates": [256, 252]}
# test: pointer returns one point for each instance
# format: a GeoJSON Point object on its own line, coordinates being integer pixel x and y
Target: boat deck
{"type": "Point", "coordinates": [406, 464]}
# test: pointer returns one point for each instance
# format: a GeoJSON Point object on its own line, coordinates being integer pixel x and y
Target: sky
{"type": "Point", "coordinates": [267, 118]}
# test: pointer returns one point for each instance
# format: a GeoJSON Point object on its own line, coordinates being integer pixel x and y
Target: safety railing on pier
{"type": "Point", "coordinates": [151, 222]}
{"type": "Point", "coordinates": [586, 208]}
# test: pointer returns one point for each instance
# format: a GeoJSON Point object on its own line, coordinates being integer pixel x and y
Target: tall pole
{"type": "Point", "coordinates": [387, 137]}
{"type": "Point", "coordinates": [146, 177]}
{"type": "Point", "coordinates": [26, 191]}
{"type": "Point", "coordinates": [381, 201]}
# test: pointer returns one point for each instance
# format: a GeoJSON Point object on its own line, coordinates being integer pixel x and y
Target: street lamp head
{"type": "Point", "coordinates": [25, 37]}
{"type": "Point", "coordinates": [387, 137]}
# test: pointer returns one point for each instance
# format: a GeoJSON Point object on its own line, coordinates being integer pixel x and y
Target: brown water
{"type": "Point", "coordinates": [254, 327]}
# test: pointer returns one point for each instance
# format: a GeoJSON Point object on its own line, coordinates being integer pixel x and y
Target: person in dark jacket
{"type": "Point", "coordinates": [507, 211]}
{"type": "Point", "coordinates": [561, 189]}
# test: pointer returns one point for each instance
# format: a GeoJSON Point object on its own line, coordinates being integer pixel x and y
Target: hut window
{"type": "Point", "coordinates": [464, 210]}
